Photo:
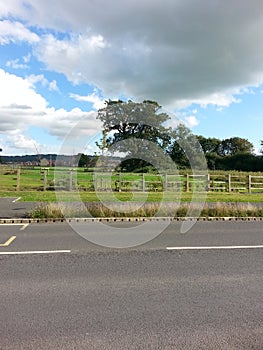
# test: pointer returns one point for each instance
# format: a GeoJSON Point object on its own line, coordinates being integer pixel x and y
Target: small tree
{"type": "Point", "coordinates": [210, 144]}
{"type": "Point", "coordinates": [102, 144]}
{"type": "Point", "coordinates": [185, 149]}
{"type": "Point", "coordinates": [234, 145]}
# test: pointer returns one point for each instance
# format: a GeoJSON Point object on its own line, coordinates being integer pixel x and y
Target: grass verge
{"type": "Point", "coordinates": [80, 210]}
{"type": "Point", "coordinates": [48, 196]}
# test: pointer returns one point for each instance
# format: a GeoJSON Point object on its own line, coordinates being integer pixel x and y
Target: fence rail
{"type": "Point", "coordinates": [44, 179]}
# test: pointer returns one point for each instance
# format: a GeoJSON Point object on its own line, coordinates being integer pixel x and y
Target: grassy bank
{"type": "Point", "coordinates": [48, 196]}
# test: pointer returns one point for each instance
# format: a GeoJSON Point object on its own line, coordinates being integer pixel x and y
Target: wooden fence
{"type": "Point", "coordinates": [21, 179]}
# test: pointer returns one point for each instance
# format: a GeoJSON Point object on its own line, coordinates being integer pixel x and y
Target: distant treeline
{"type": "Point", "coordinates": [230, 154]}
{"type": "Point", "coordinates": [238, 161]}
{"type": "Point", "coordinates": [27, 158]}
{"type": "Point", "coordinates": [47, 160]}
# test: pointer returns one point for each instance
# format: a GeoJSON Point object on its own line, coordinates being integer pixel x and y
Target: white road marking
{"type": "Point", "coordinates": [8, 242]}
{"type": "Point", "coordinates": [12, 224]}
{"type": "Point", "coordinates": [36, 252]}
{"type": "Point", "coordinates": [24, 226]}
{"type": "Point", "coordinates": [216, 247]}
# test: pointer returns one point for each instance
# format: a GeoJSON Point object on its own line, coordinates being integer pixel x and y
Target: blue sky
{"type": "Point", "coordinates": [59, 61]}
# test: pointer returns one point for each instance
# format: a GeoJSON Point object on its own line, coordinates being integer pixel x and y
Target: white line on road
{"type": "Point", "coordinates": [13, 224]}
{"type": "Point", "coordinates": [216, 247]}
{"type": "Point", "coordinates": [36, 252]}
{"type": "Point", "coordinates": [24, 226]}
{"type": "Point", "coordinates": [15, 200]}
{"type": "Point", "coordinates": [8, 242]}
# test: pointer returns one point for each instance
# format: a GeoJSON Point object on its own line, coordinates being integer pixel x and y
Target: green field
{"type": "Point", "coordinates": [37, 184]}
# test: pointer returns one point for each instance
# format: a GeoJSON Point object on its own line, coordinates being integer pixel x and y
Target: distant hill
{"type": "Point", "coordinates": [46, 159]}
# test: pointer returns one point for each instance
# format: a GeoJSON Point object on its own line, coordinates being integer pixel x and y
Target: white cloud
{"type": "Point", "coordinates": [78, 56]}
{"type": "Point", "coordinates": [19, 141]}
{"type": "Point", "coordinates": [221, 99]}
{"type": "Point", "coordinates": [93, 98]}
{"type": "Point", "coordinates": [191, 121]}
{"type": "Point", "coordinates": [15, 31]}
{"type": "Point", "coordinates": [12, 7]}
{"type": "Point", "coordinates": [16, 65]}
{"type": "Point", "coordinates": [40, 78]}
{"type": "Point", "coordinates": [18, 91]}
{"type": "Point", "coordinates": [27, 58]}
{"type": "Point", "coordinates": [182, 118]}
{"type": "Point", "coordinates": [53, 86]}
{"type": "Point", "coordinates": [174, 52]}
{"type": "Point", "coordinates": [21, 106]}
{"type": "Point", "coordinates": [60, 122]}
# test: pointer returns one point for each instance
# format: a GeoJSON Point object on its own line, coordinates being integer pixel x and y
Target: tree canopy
{"type": "Point", "coordinates": [137, 129]}
{"type": "Point", "coordinates": [234, 145]}
{"type": "Point", "coordinates": [123, 120]}
{"type": "Point", "coordinates": [185, 149]}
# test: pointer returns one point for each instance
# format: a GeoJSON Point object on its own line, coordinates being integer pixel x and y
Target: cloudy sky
{"type": "Point", "coordinates": [202, 60]}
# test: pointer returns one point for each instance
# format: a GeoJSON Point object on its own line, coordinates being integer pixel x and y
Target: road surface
{"type": "Point", "coordinates": [58, 291]}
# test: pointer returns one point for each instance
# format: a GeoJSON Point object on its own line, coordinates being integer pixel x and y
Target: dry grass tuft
{"type": "Point", "coordinates": [130, 209]}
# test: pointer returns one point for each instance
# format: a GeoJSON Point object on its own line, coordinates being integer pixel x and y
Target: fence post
{"type": "Point", "coordinates": [165, 182]}
{"type": "Point", "coordinates": [187, 183]}
{"type": "Point", "coordinates": [249, 184]}
{"type": "Point", "coordinates": [95, 181]}
{"type": "Point", "coordinates": [18, 179]}
{"type": "Point", "coordinates": [45, 180]}
{"type": "Point", "coordinates": [120, 182]}
{"type": "Point", "coordinates": [70, 180]}
{"type": "Point", "coordinates": [208, 183]}
{"type": "Point", "coordinates": [143, 183]}
{"type": "Point", "coordinates": [229, 183]}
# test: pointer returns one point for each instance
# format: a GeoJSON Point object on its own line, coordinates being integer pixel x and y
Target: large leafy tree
{"type": "Point", "coordinates": [123, 120]}
{"type": "Point", "coordinates": [135, 128]}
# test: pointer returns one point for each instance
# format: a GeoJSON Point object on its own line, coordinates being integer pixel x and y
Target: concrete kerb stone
{"type": "Point", "coordinates": [124, 219]}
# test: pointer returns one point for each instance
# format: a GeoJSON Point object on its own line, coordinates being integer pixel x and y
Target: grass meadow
{"type": "Point", "coordinates": [78, 185]}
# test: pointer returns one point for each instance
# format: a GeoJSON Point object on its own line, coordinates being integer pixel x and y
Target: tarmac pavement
{"type": "Point", "coordinates": [11, 208]}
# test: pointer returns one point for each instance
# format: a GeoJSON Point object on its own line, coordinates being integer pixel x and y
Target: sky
{"type": "Point", "coordinates": [202, 60]}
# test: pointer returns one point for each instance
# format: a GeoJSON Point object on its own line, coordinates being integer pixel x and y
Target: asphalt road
{"type": "Point", "coordinates": [78, 295]}
{"type": "Point", "coordinates": [12, 208]}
